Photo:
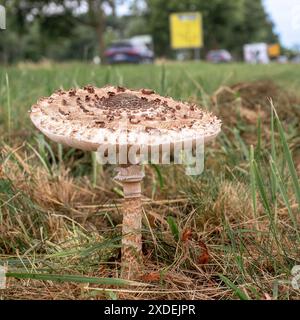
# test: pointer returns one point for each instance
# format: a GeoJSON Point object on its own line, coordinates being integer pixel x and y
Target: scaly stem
{"type": "Point", "coordinates": [131, 176]}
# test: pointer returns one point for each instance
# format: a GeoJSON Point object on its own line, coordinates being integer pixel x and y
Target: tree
{"type": "Point", "coordinates": [62, 29]}
{"type": "Point", "coordinates": [257, 24]}
{"type": "Point", "coordinates": [58, 18]}
{"type": "Point", "coordinates": [227, 24]}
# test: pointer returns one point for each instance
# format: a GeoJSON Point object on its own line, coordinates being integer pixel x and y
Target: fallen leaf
{"type": "Point", "coordinates": [204, 257]}
{"type": "Point", "coordinates": [186, 235]}
{"type": "Point", "coordinates": [151, 277]}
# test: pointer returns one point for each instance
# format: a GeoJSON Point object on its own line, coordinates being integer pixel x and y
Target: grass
{"type": "Point", "coordinates": [231, 233]}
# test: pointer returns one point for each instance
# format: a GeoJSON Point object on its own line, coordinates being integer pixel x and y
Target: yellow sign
{"type": "Point", "coordinates": [274, 50]}
{"type": "Point", "coordinates": [186, 30]}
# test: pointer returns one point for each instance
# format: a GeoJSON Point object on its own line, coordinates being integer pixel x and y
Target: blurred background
{"type": "Point", "coordinates": [142, 31]}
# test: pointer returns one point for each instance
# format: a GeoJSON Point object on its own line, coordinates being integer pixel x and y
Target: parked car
{"type": "Point", "coordinates": [129, 52]}
{"type": "Point", "coordinates": [219, 56]}
{"type": "Point", "coordinates": [296, 59]}
{"type": "Point", "coordinates": [282, 59]}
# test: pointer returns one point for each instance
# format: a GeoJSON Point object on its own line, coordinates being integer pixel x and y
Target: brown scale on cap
{"type": "Point", "coordinates": [108, 107]}
{"type": "Point", "coordinates": [64, 113]}
{"type": "Point", "coordinates": [110, 118]}
{"type": "Point", "coordinates": [42, 99]}
{"type": "Point", "coordinates": [126, 100]}
{"type": "Point", "coordinates": [149, 117]}
{"type": "Point", "coordinates": [84, 109]}
{"type": "Point", "coordinates": [72, 93]}
{"type": "Point", "coordinates": [134, 120]}
{"type": "Point", "coordinates": [148, 129]}
{"type": "Point", "coordinates": [100, 124]}
{"type": "Point", "coordinates": [89, 89]}
{"type": "Point", "coordinates": [200, 115]}
{"type": "Point", "coordinates": [147, 91]}
{"type": "Point", "coordinates": [121, 89]}
{"type": "Point", "coordinates": [59, 92]}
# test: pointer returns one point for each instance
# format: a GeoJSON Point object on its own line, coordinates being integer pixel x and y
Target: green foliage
{"type": "Point", "coordinates": [227, 24]}
{"type": "Point", "coordinates": [35, 32]}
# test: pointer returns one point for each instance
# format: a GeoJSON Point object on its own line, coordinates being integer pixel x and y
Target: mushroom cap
{"type": "Point", "coordinates": [86, 118]}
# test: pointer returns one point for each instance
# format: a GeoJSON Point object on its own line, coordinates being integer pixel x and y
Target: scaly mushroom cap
{"type": "Point", "coordinates": [84, 118]}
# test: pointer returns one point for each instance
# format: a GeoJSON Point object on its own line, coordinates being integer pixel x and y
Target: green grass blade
{"type": "Point", "coordinates": [288, 156]}
{"type": "Point", "coordinates": [261, 188]}
{"type": "Point", "coordinates": [94, 169]}
{"type": "Point", "coordinates": [237, 291]}
{"type": "Point", "coordinates": [40, 158]}
{"type": "Point", "coordinates": [72, 278]}
{"type": "Point", "coordinates": [159, 175]}
{"type": "Point", "coordinates": [253, 182]}
{"type": "Point", "coordinates": [273, 146]}
{"type": "Point", "coordinates": [258, 145]}
{"type": "Point", "coordinates": [284, 195]}
{"type": "Point", "coordinates": [242, 144]}
{"type": "Point", "coordinates": [8, 104]}
{"type": "Point", "coordinates": [273, 153]}
{"type": "Point", "coordinates": [163, 79]}
{"type": "Point", "coordinates": [173, 227]}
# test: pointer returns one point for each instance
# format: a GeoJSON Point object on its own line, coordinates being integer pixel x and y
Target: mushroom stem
{"type": "Point", "coordinates": [130, 177]}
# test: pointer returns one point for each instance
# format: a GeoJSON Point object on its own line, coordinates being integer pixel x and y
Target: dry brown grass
{"type": "Point", "coordinates": [242, 105]}
{"type": "Point", "coordinates": [53, 220]}
{"type": "Point", "coordinates": [74, 215]}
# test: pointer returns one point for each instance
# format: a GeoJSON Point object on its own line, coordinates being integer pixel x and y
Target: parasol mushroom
{"type": "Point", "coordinates": [87, 118]}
